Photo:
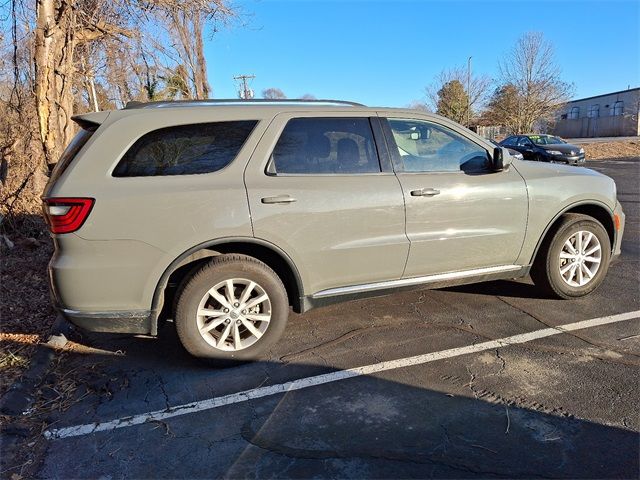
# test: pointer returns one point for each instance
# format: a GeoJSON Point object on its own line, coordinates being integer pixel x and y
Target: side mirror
{"type": "Point", "coordinates": [500, 161]}
{"type": "Point", "coordinates": [497, 160]}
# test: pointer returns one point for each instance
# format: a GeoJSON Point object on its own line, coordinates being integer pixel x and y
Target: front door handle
{"type": "Point", "coordinates": [425, 192]}
{"type": "Point", "coordinates": [279, 199]}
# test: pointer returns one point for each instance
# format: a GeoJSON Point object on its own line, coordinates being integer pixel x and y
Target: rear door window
{"type": "Point", "coordinates": [325, 146]}
{"type": "Point", "coordinates": [185, 149]}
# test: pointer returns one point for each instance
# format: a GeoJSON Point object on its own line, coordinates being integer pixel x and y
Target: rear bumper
{"type": "Point", "coordinates": [104, 286]}
{"type": "Point", "coordinates": [112, 322]}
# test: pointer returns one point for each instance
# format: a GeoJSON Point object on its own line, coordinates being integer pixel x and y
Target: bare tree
{"type": "Point", "coordinates": [461, 83]}
{"type": "Point", "coordinates": [185, 22]}
{"type": "Point", "coordinates": [21, 161]}
{"type": "Point", "coordinates": [60, 27]}
{"type": "Point", "coordinates": [76, 47]}
{"type": "Point", "coordinates": [419, 105]}
{"type": "Point", "coordinates": [308, 96]}
{"type": "Point", "coordinates": [62, 57]}
{"type": "Point", "coordinates": [273, 93]}
{"type": "Point", "coordinates": [531, 84]}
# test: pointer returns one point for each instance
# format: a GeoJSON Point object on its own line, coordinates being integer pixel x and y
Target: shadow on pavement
{"type": "Point", "coordinates": [502, 288]}
{"type": "Point", "coordinates": [364, 427]}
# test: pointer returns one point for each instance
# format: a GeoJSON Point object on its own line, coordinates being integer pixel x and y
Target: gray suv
{"type": "Point", "coordinates": [223, 215]}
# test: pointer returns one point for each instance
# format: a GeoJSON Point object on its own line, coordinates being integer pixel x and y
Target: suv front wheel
{"type": "Point", "coordinates": [233, 308]}
{"type": "Point", "coordinates": [574, 260]}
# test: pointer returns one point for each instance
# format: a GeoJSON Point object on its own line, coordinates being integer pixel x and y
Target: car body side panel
{"type": "Point", "coordinates": [476, 221]}
{"type": "Point", "coordinates": [343, 229]}
{"type": "Point", "coordinates": [554, 188]}
{"type": "Point", "coordinates": [167, 215]}
{"type": "Point", "coordinates": [96, 275]}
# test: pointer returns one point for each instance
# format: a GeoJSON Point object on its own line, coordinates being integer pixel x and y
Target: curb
{"type": "Point", "coordinates": [20, 397]}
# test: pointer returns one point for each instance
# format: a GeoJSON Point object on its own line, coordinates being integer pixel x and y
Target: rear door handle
{"type": "Point", "coordinates": [279, 199]}
{"type": "Point", "coordinates": [425, 192]}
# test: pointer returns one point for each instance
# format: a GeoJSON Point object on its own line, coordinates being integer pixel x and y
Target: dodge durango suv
{"type": "Point", "coordinates": [223, 215]}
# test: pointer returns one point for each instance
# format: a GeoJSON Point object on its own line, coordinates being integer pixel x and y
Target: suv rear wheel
{"type": "Point", "coordinates": [574, 260]}
{"type": "Point", "coordinates": [233, 308]}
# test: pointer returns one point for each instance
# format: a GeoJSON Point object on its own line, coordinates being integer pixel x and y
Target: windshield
{"type": "Point", "coordinates": [545, 139]}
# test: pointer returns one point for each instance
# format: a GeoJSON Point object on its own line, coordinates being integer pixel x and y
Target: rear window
{"type": "Point", "coordinates": [185, 149]}
{"type": "Point", "coordinates": [325, 146]}
{"type": "Point", "coordinates": [79, 141]}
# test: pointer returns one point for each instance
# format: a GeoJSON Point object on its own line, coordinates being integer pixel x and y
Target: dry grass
{"type": "Point", "coordinates": [25, 307]}
{"type": "Point", "coordinates": [598, 151]}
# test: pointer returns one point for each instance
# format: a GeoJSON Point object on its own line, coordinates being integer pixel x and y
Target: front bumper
{"type": "Point", "coordinates": [619, 231]}
{"type": "Point", "coordinates": [568, 159]}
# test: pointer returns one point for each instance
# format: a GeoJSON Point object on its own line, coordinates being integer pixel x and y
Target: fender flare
{"type": "Point", "coordinates": [158, 294]}
{"type": "Point", "coordinates": [595, 203]}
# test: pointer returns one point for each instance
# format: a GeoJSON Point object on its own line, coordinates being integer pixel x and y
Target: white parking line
{"type": "Point", "coordinates": [260, 392]}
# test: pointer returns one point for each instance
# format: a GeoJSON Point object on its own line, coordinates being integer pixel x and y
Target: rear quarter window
{"type": "Point", "coordinates": [79, 141]}
{"type": "Point", "coordinates": [185, 149]}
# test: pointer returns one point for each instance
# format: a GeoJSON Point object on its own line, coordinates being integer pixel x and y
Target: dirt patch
{"type": "Point", "coordinates": [606, 150]}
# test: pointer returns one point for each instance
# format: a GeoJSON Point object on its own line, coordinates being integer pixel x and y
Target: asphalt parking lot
{"type": "Point", "coordinates": [438, 397]}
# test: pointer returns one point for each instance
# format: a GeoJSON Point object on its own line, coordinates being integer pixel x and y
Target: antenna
{"type": "Point", "coordinates": [244, 92]}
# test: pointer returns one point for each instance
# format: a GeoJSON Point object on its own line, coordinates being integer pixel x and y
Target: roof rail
{"type": "Point", "coordinates": [240, 101]}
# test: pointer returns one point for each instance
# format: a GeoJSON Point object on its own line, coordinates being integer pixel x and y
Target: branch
{"type": "Point", "coordinates": [101, 29]}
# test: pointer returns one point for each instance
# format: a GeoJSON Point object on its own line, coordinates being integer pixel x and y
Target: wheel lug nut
{"type": "Point", "coordinates": [227, 320]}
{"type": "Point", "coordinates": [236, 304]}
{"type": "Point", "coordinates": [226, 310]}
{"type": "Point", "coordinates": [238, 322]}
{"type": "Point", "coordinates": [244, 312]}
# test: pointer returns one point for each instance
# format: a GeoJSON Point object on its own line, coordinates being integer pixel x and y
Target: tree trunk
{"type": "Point", "coordinates": [53, 61]}
{"type": "Point", "coordinates": [201, 63]}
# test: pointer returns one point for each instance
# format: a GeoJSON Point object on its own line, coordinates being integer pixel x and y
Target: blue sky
{"type": "Point", "coordinates": [386, 52]}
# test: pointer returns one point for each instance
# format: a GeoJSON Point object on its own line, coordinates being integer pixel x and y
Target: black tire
{"type": "Point", "coordinates": [538, 158]}
{"type": "Point", "coordinates": [545, 271]}
{"type": "Point", "coordinates": [219, 269]}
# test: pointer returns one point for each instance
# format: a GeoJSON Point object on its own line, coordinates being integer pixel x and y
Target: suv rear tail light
{"type": "Point", "coordinates": [66, 215]}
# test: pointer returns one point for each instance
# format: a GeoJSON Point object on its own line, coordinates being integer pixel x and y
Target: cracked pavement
{"type": "Point", "coordinates": [562, 406]}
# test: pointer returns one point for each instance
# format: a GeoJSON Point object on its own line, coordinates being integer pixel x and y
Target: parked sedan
{"type": "Point", "coordinates": [545, 148]}
{"type": "Point", "coordinates": [512, 152]}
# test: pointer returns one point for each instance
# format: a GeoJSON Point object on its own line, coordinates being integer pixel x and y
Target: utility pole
{"type": "Point", "coordinates": [468, 91]}
{"type": "Point", "coordinates": [244, 91]}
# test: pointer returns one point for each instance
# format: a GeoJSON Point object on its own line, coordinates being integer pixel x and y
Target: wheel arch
{"type": "Point", "coordinates": [270, 254]}
{"type": "Point", "coordinates": [593, 209]}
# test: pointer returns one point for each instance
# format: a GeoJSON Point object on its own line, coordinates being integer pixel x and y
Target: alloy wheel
{"type": "Point", "coordinates": [234, 314]}
{"type": "Point", "coordinates": [580, 258]}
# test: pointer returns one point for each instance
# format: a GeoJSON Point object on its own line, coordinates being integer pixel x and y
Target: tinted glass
{"type": "Point", "coordinates": [79, 141]}
{"type": "Point", "coordinates": [325, 146]}
{"type": "Point", "coordinates": [545, 139]}
{"type": "Point", "coordinates": [510, 141]}
{"type": "Point", "coordinates": [185, 149]}
{"type": "Point", "coordinates": [428, 147]}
